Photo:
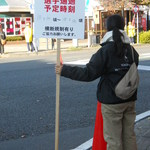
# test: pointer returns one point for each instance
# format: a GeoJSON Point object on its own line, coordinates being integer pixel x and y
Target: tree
{"type": "Point", "coordinates": [113, 5]}
{"type": "Point", "coordinates": [142, 2]}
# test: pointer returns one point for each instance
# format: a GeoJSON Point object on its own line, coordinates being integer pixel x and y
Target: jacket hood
{"type": "Point", "coordinates": [108, 37]}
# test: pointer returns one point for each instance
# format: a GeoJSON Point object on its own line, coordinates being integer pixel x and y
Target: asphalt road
{"type": "Point", "coordinates": [27, 96]}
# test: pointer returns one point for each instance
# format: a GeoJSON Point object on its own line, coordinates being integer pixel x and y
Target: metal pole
{"type": "Point", "coordinates": [75, 42]}
{"type": "Point", "coordinates": [88, 26]}
{"type": "Point", "coordinates": [47, 42]}
{"type": "Point", "coordinates": [57, 98]}
{"type": "Point", "coordinates": [137, 28]}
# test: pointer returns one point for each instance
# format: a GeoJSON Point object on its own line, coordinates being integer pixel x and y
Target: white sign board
{"type": "Point", "coordinates": [62, 19]}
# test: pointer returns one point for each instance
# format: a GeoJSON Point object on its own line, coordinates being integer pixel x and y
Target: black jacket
{"type": "Point", "coordinates": [107, 65]}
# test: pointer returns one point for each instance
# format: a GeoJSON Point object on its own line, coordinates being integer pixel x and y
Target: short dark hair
{"type": "Point", "coordinates": [115, 21]}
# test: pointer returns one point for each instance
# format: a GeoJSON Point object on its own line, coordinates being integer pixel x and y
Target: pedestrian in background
{"type": "Point", "coordinates": [110, 63]}
{"type": "Point", "coordinates": [2, 39]}
{"type": "Point", "coordinates": [28, 32]}
{"type": "Point", "coordinates": [36, 44]}
{"type": "Point", "coordinates": [131, 32]}
{"type": "Point", "coordinates": [53, 42]}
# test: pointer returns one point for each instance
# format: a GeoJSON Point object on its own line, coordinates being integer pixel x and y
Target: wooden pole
{"type": "Point", "coordinates": [57, 99]}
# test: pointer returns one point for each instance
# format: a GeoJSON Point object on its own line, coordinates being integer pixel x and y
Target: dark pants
{"type": "Point", "coordinates": [1, 49]}
{"type": "Point", "coordinates": [53, 40]}
{"type": "Point", "coordinates": [30, 44]}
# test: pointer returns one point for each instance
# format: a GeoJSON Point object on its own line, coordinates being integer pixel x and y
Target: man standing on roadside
{"type": "Point", "coordinates": [28, 32]}
{"type": "Point", "coordinates": [131, 32]}
{"type": "Point", "coordinates": [2, 40]}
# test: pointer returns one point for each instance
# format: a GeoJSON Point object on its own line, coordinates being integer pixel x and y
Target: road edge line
{"type": "Point", "coordinates": [142, 116]}
{"type": "Point", "coordinates": [88, 144]}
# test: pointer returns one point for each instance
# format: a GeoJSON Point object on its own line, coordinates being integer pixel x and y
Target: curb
{"type": "Point", "coordinates": [43, 52]}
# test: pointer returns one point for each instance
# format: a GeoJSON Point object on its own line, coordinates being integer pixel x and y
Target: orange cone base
{"type": "Point", "coordinates": [98, 138]}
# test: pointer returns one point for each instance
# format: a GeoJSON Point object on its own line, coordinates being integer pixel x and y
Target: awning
{"type": "Point", "coordinates": [14, 6]}
{"type": "Point", "coordinates": [3, 3]}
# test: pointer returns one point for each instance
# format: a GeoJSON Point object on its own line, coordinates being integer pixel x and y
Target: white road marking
{"type": "Point", "coordinates": [144, 55]}
{"type": "Point", "coordinates": [142, 67]}
{"type": "Point", "coordinates": [85, 61]}
{"type": "Point", "coordinates": [78, 62]}
{"type": "Point", "coordinates": [142, 116]}
{"type": "Point", "coordinates": [88, 144]}
{"type": "Point", "coordinates": [85, 145]}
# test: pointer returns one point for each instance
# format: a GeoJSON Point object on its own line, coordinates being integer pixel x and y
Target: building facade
{"type": "Point", "coordinates": [14, 14]}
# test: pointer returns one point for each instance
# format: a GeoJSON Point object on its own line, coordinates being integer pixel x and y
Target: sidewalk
{"type": "Point", "coordinates": [16, 48]}
{"type": "Point", "coordinates": [20, 47]}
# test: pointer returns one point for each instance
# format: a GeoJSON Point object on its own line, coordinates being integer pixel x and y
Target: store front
{"type": "Point", "coordinates": [129, 16]}
{"type": "Point", "coordinates": [14, 16]}
{"type": "Point", "coordinates": [14, 26]}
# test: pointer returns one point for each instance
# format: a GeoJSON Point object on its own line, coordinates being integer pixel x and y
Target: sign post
{"type": "Point", "coordinates": [57, 98]}
{"type": "Point", "coordinates": [136, 11]}
{"type": "Point", "coordinates": [137, 28]}
{"type": "Point", "coordinates": [59, 20]}
{"type": "Point", "coordinates": [88, 13]}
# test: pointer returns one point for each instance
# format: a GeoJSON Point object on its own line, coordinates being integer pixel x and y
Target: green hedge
{"type": "Point", "coordinates": [144, 37]}
{"type": "Point", "coordinates": [15, 38]}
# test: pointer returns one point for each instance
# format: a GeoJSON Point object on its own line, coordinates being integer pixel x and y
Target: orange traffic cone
{"type": "Point", "coordinates": [98, 138]}
{"type": "Point", "coordinates": [61, 60]}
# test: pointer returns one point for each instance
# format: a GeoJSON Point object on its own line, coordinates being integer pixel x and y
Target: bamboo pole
{"type": "Point", "coordinates": [57, 99]}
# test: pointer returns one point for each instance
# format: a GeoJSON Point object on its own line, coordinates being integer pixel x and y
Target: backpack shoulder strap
{"type": "Point", "coordinates": [132, 53]}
